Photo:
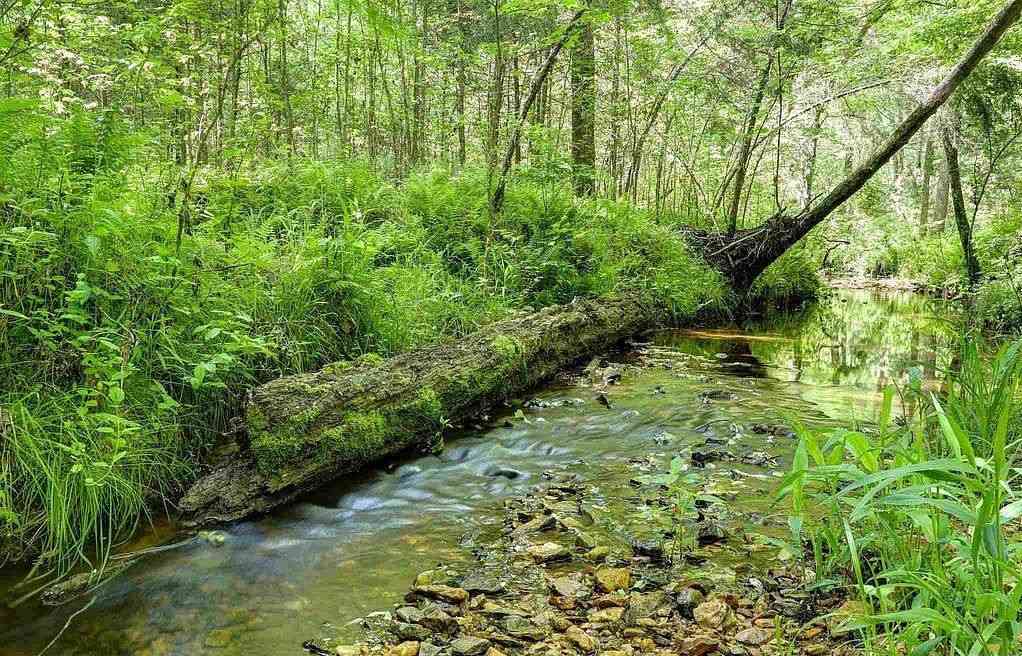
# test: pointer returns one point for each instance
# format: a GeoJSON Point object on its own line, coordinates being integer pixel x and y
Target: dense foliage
{"type": "Point", "coordinates": [196, 197]}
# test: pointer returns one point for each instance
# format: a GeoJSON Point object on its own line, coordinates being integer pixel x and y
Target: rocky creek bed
{"type": "Point", "coordinates": [578, 464]}
{"type": "Point", "coordinates": [565, 574]}
{"type": "Point", "coordinates": [547, 586]}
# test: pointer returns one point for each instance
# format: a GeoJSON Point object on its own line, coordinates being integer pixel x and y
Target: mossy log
{"type": "Point", "coordinates": [306, 430]}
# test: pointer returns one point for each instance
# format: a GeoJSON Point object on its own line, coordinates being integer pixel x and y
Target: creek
{"type": "Point", "coordinates": [306, 571]}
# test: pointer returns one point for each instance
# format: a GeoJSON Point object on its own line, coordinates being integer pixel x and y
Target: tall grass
{"type": "Point", "coordinates": [920, 521]}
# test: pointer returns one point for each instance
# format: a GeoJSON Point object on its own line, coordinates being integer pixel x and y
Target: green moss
{"type": "Point", "coordinates": [370, 359]}
{"type": "Point", "coordinates": [359, 436]}
{"type": "Point", "coordinates": [507, 347]}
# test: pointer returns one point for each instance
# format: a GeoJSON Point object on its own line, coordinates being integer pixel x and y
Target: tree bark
{"type": "Point", "coordinates": [941, 207]}
{"type": "Point", "coordinates": [924, 194]}
{"type": "Point", "coordinates": [743, 256]}
{"type": "Point", "coordinates": [972, 269]}
{"type": "Point", "coordinates": [306, 430]}
{"type": "Point", "coordinates": [583, 111]}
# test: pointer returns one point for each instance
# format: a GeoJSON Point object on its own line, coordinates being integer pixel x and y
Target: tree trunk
{"type": "Point", "coordinates": [743, 256]}
{"type": "Point", "coordinates": [746, 149]}
{"type": "Point", "coordinates": [924, 196]}
{"type": "Point", "coordinates": [941, 207]}
{"type": "Point", "coordinates": [306, 430]}
{"type": "Point", "coordinates": [583, 111]}
{"type": "Point", "coordinates": [972, 269]}
{"type": "Point", "coordinates": [497, 200]}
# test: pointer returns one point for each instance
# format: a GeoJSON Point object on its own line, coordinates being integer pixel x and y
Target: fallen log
{"type": "Point", "coordinates": [306, 430]}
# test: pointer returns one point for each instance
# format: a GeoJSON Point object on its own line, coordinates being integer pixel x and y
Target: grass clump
{"type": "Point", "coordinates": [917, 520]}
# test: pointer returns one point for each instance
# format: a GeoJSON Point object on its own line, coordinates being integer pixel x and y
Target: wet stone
{"type": "Point", "coordinates": [686, 601]}
{"type": "Point", "coordinates": [608, 615]}
{"type": "Point", "coordinates": [409, 614]}
{"type": "Point", "coordinates": [406, 631]}
{"type": "Point", "coordinates": [483, 582]}
{"type": "Point", "coordinates": [520, 627]}
{"type": "Point", "coordinates": [610, 579]}
{"type": "Point", "coordinates": [699, 646]}
{"type": "Point", "coordinates": [712, 614]}
{"type": "Point", "coordinates": [548, 552]}
{"type": "Point", "coordinates": [469, 646]}
{"type": "Point", "coordinates": [703, 456]}
{"type": "Point", "coordinates": [585, 642]}
{"type": "Point", "coordinates": [443, 592]}
{"type": "Point", "coordinates": [436, 619]}
{"type": "Point", "coordinates": [642, 606]}
{"type": "Point", "coordinates": [717, 395]}
{"type": "Point", "coordinates": [429, 649]}
{"type": "Point", "coordinates": [571, 585]}
{"type": "Point", "coordinates": [754, 636]}
{"type": "Point", "coordinates": [408, 648]}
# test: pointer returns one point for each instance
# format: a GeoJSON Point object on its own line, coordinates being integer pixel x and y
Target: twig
{"type": "Point", "coordinates": [67, 624]}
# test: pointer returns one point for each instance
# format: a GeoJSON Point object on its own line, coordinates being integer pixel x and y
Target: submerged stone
{"type": "Point", "coordinates": [548, 552]}
{"type": "Point", "coordinates": [611, 579]}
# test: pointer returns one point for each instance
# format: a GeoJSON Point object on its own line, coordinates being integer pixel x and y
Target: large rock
{"type": "Point", "coordinates": [712, 614]}
{"type": "Point", "coordinates": [469, 646]}
{"type": "Point", "coordinates": [611, 579]}
{"type": "Point", "coordinates": [548, 552]}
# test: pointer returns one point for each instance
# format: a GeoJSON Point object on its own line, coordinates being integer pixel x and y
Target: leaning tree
{"type": "Point", "coordinates": [742, 255]}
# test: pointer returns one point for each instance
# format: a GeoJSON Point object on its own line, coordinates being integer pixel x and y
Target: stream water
{"type": "Point", "coordinates": [306, 571]}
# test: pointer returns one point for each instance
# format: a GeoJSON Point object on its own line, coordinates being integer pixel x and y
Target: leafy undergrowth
{"type": "Point", "coordinates": [131, 327]}
{"type": "Point", "coordinates": [919, 521]}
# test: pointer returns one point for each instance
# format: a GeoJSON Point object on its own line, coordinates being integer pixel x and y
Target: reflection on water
{"type": "Point", "coordinates": [842, 353]}
{"type": "Point", "coordinates": [306, 571]}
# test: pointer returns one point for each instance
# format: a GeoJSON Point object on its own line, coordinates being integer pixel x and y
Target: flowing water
{"type": "Point", "coordinates": [306, 571]}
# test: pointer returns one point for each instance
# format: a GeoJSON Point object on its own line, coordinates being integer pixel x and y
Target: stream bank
{"type": "Point", "coordinates": [305, 571]}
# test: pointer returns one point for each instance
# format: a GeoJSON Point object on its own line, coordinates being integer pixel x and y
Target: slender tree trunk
{"type": "Point", "coordinates": [972, 269]}
{"type": "Point", "coordinates": [636, 164]}
{"type": "Point", "coordinates": [497, 200]}
{"type": "Point", "coordinates": [496, 95]}
{"type": "Point", "coordinates": [583, 111]}
{"type": "Point", "coordinates": [941, 207]}
{"type": "Point", "coordinates": [924, 194]}
{"type": "Point", "coordinates": [814, 146]}
{"type": "Point", "coordinates": [285, 80]}
{"type": "Point", "coordinates": [749, 131]}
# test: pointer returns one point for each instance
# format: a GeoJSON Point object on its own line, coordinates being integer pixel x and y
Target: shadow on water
{"type": "Point", "coordinates": [350, 549]}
